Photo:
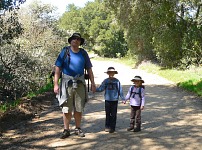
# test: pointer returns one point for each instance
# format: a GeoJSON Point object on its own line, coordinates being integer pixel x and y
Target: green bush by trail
{"type": "Point", "coordinates": [190, 79]}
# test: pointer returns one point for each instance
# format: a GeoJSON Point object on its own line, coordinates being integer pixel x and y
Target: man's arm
{"type": "Point", "coordinates": [91, 76]}
{"type": "Point", "coordinates": [56, 79]}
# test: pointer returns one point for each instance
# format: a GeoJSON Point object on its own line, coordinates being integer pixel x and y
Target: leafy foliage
{"type": "Point", "coordinates": [29, 46]}
{"type": "Point", "coordinates": [10, 4]}
{"type": "Point", "coordinates": [166, 31]}
{"type": "Point", "coordinates": [98, 26]}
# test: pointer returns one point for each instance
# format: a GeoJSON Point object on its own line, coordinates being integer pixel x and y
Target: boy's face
{"type": "Point", "coordinates": [137, 83]}
{"type": "Point", "coordinates": [111, 74]}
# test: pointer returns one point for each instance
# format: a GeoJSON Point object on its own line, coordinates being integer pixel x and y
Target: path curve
{"type": "Point", "coordinates": [171, 120]}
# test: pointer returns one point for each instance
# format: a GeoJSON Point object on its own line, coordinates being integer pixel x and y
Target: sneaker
{"type": "Point", "coordinates": [111, 131]}
{"type": "Point", "coordinates": [137, 130]}
{"type": "Point", "coordinates": [130, 128]}
{"type": "Point", "coordinates": [65, 134]}
{"type": "Point", "coordinates": [107, 129]}
{"type": "Point", "coordinates": [79, 132]}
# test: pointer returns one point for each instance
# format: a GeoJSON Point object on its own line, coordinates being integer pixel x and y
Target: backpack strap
{"type": "Point", "coordinates": [67, 53]}
{"type": "Point", "coordinates": [85, 57]}
{"type": "Point", "coordinates": [131, 91]}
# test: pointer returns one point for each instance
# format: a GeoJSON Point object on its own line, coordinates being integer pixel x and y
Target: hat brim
{"type": "Point", "coordinates": [115, 72]}
{"type": "Point", "coordinates": [70, 39]}
{"type": "Point", "coordinates": [137, 80]}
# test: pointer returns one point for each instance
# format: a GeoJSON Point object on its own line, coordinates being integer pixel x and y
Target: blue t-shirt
{"type": "Point", "coordinates": [76, 64]}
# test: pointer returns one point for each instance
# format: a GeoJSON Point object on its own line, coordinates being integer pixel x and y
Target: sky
{"type": "Point", "coordinates": [61, 4]}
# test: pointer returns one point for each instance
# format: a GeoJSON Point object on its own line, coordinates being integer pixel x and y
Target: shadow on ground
{"type": "Point", "coordinates": [171, 120]}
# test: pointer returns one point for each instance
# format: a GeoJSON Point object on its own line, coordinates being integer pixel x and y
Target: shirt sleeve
{"type": "Point", "coordinates": [128, 94]}
{"type": "Point", "coordinates": [88, 63]}
{"type": "Point", "coordinates": [121, 91]}
{"type": "Point", "coordinates": [143, 97]}
{"type": "Point", "coordinates": [59, 60]}
{"type": "Point", "coordinates": [102, 87]}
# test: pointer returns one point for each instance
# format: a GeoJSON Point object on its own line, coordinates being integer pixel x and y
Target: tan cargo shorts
{"type": "Point", "coordinates": [76, 99]}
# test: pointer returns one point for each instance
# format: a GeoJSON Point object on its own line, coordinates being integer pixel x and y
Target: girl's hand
{"type": "Point", "coordinates": [142, 107]}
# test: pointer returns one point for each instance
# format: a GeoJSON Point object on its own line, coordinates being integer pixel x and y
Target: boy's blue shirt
{"type": "Point", "coordinates": [112, 88]}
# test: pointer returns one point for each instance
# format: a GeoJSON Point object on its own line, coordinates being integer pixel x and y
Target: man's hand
{"type": "Point", "coordinates": [56, 89]}
{"type": "Point", "coordinates": [56, 78]}
{"type": "Point", "coordinates": [93, 88]}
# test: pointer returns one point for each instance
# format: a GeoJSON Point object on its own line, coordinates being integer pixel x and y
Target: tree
{"type": "Point", "coordinates": [161, 29]}
{"type": "Point", "coordinates": [30, 43]}
{"type": "Point", "coordinates": [10, 4]}
{"type": "Point", "coordinates": [98, 26]}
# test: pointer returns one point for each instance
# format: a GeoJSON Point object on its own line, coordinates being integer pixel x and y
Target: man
{"type": "Point", "coordinates": [72, 91]}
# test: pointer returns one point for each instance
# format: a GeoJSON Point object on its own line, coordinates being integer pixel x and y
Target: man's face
{"type": "Point", "coordinates": [76, 41]}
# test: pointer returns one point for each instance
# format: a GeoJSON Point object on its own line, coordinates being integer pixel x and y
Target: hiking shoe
{"type": "Point", "coordinates": [111, 131]}
{"type": "Point", "coordinates": [137, 130]}
{"type": "Point", "coordinates": [65, 134]}
{"type": "Point", "coordinates": [79, 132]}
{"type": "Point", "coordinates": [107, 129]}
{"type": "Point", "coordinates": [130, 128]}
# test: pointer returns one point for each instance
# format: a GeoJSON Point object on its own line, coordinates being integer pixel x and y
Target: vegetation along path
{"type": "Point", "coordinates": [171, 120]}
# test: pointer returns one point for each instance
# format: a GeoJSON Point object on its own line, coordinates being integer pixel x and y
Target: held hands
{"type": "Point", "coordinates": [93, 88]}
{"type": "Point", "coordinates": [124, 101]}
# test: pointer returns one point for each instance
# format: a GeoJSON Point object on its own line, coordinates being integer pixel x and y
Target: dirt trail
{"type": "Point", "coordinates": [171, 120]}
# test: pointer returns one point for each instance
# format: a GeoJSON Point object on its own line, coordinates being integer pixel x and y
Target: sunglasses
{"type": "Point", "coordinates": [76, 38]}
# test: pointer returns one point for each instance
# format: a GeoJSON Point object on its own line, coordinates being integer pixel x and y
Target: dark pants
{"type": "Point", "coordinates": [111, 114]}
{"type": "Point", "coordinates": [135, 116]}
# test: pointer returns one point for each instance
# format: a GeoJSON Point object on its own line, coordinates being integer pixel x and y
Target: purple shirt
{"type": "Point", "coordinates": [135, 99]}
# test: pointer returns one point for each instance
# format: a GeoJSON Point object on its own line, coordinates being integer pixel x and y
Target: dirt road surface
{"type": "Point", "coordinates": [172, 120]}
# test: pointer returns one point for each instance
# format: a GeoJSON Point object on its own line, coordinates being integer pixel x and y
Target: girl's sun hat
{"type": "Point", "coordinates": [111, 69]}
{"type": "Point", "coordinates": [137, 78]}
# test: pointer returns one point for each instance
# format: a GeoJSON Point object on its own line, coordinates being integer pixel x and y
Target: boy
{"type": "Point", "coordinates": [136, 94]}
{"type": "Point", "coordinates": [113, 90]}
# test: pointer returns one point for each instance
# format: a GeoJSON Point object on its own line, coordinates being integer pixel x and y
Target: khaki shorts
{"type": "Point", "coordinates": [76, 99]}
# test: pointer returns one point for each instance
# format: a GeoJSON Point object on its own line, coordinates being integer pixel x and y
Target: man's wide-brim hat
{"type": "Point", "coordinates": [76, 35]}
{"type": "Point", "coordinates": [111, 69]}
{"type": "Point", "coordinates": [137, 78]}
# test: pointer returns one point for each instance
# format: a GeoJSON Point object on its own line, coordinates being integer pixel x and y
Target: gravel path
{"type": "Point", "coordinates": [171, 120]}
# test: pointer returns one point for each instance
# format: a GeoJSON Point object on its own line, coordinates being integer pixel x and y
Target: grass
{"type": "Point", "coordinates": [123, 60]}
{"type": "Point", "coordinates": [47, 87]}
{"type": "Point", "coordinates": [7, 106]}
{"type": "Point", "coordinates": [190, 80]}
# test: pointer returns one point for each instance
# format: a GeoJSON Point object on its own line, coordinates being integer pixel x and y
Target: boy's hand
{"type": "Point", "coordinates": [124, 101]}
{"type": "Point", "coordinates": [93, 88]}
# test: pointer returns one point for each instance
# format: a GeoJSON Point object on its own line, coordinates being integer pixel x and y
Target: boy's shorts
{"type": "Point", "coordinates": [76, 99]}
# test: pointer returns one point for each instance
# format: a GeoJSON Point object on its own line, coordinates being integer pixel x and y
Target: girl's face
{"type": "Point", "coordinates": [111, 74]}
{"type": "Point", "coordinates": [137, 83]}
